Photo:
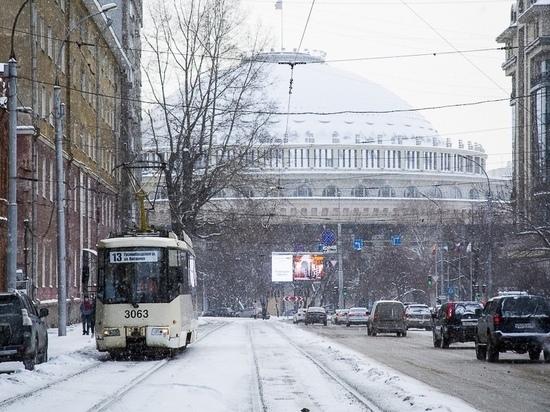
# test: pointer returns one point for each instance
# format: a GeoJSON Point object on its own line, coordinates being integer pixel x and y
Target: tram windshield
{"type": "Point", "coordinates": [141, 275]}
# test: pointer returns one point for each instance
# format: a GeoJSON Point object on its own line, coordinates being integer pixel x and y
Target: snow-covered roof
{"type": "Point", "coordinates": [319, 87]}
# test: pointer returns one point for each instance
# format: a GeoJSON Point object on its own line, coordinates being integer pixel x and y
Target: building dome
{"type": "Point", "coordinates": [320, 88]}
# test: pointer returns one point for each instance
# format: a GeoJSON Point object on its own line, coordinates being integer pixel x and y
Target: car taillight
{"type": "Point", "coordinates": [497, 319]}
{"type": "Point", "coordinates": [449, 312]}
{"type": "Point", "coordinates": [376, 316]}
{"type": "Point", "coordinates": [26, 320]}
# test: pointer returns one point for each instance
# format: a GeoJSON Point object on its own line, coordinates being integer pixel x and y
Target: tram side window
{"type": "Point", "coordinates": [177, 268]}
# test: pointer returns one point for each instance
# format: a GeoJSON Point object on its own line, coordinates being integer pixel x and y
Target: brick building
{"type": "Point", "coordinates": [93, 70]}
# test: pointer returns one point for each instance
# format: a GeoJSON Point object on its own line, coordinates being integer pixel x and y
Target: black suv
{"type": "Point", "coordinates": [517, 322]}
{"type": "Point", "coordinates": [455, 322]}
{"type": "Point", "coordinates": [23, 333]}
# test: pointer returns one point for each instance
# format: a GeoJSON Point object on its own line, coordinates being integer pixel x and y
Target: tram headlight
{"type": "Point", "coordinates": [160, 332]}
{"type": "Point", "coordinates": [111, 332]}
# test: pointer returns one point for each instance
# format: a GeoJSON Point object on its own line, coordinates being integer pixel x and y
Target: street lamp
{"type": "Point", "coordinates": [11, 258]}
{"type": "Point", "coordinates": [58, 126]}
{"type": "Point", "coordinates": [490, 224]}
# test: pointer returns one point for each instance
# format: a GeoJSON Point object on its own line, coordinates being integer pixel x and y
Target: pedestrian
{"type": "Point", "coordinates": [92, 316]}
{"type": "Point", "coordinates": [86, 314]}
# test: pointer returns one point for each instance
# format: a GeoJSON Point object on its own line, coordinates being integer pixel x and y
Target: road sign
{"type": "Point", "coordinates": [330, 249]}
{"type": "Point", "coordinates": [293, 298]}
{"type": "Point", "coordinates": [450, 291]}
{"type": "Point", "coordinates": [358, 244]}
{"type": "Point", "coordinates": [328, 237]}
{"type": "Point", "coordinates": [435, 278]}
{"type": "Point", "coordinates": [396, 240]}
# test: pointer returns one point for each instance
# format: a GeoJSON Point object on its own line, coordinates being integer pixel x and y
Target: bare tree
{"type": "Point", "coordinates": [208, 123]}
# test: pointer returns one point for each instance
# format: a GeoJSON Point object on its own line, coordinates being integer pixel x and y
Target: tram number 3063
{"type": "Point", "coordinates": [136, 313]}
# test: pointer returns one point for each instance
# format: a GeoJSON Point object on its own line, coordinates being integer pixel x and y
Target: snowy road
{"type": "Point", "coordinates": [237, 365]}
{"type": "Point", "coordinates": [515, 383]}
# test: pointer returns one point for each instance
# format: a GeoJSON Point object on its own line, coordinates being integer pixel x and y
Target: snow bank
{"type": "Point", "coordinates": [387, 388]}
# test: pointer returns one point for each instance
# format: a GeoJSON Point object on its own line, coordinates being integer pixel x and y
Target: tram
{"type": "Point", "coordinates": [146, 296]}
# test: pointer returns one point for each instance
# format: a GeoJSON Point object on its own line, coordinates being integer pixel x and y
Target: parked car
{"type": "Point", "coordinates": [299, 316]}
{"type": "Point", "coordinates": [315, 314]}
{"type": "Point", "coordinates": [357, 316]}
{"type": "Point", "coordinates": [418, 316]}
{"type": "Point", "coordinates": [340, 316]}
{"type": "Point", "coordinates": [517, 322]}
{"type": "Point", "coordinates": [248, 313]}
{"type": "Point", "coordinates": [455, 322]}
{"type": "Point", "coordinates": [23, 332]}
{"type": "Point", "coordinates": [387, 316]}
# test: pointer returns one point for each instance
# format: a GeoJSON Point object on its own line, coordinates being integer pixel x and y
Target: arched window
{"type": "Point", "coordinates": [303, 191]}
{"type": "Point", "coordinates": [435, 193]}
{"type": "Point", "coordinates": [359, 191]}
{"type": "Point", "coordinates": [411, 191]}
{"type": "Point", "coordinates": [245, 192]}
{"type": "Point", "coordinates": [331, 191]}
{"type": "Point", "coordinates": [386, 191]}
{"type": "Point", "coordinates": [474, 194]}
{"type": "Point", "coordinates": [456, 193]}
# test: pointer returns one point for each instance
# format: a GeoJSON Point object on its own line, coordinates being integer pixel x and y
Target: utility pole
{"type": "Point", "coordinates": [340, 269]}
{"type": "Point", "coordinates": [60, 199]}
{"type": "Point", "coordinates": [11, 259]}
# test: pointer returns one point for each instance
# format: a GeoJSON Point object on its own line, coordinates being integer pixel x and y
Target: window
{"type": "Point", "coordinates": [435, 193]}
{"type": "Point", "coordinates": [474, 194]}
{"type": "Point", "coordinates": [411, 192]}
{"type": "Point", "coordinates": [331, 191]}
{"type": "Point", "coordinates": [456, 193]}
{"type": "Point", "coordinates": [359, 191]}
{"type": "Point", "coordinates": [50, 42]}
{"type": "Point", "coordinates": [303, 191]}
{"type": "Point", "coordinates": [386, 191]}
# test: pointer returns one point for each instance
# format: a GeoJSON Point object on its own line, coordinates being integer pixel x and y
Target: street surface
{"type": "Point", "coordinates": [513, 384]}
{"type": "Point", "coordinates": [236, 365]}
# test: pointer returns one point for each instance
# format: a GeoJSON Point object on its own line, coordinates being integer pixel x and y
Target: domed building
{"type": "Point", "coordinates": [352, 151]}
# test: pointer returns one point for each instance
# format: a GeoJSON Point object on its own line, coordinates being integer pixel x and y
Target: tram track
{"type": "Point", "coordinates": [258, 402]}
{"type": "Point", "coordinates": [105, 403]}
{"type": "Point", "coordinates": [343, 383]}
{"type": "Point", "coordinates": [113, 398]}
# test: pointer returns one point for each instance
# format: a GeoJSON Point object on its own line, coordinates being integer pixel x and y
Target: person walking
{"type": "Point", "coordinates": [92, 316]}
{"type": "Point", "coordinates": [86, 309]}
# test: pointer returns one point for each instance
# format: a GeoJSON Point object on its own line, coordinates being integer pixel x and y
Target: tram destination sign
{"type": "Point", "coordinates": [134, 256]}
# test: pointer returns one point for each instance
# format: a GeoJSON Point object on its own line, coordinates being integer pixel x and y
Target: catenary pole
{"type": "Point", "coordinates": [60, 168]}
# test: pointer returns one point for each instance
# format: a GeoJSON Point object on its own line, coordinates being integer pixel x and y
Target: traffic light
{"type": "Point", "coordinates": [430, 281]}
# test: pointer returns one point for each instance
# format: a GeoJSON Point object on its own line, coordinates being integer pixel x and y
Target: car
{"type": "Point", "coordinates": [315, 314]}
{"type": "Point", "coordinates": [340, 316]}
{"type": "Point", "coordinates": [23, 332]}
{"type": "Point", "coordinates": [357, 316]}
{"type": "Point", "coordinates": [248, 313]}
{"type": "Point", "coordinates": [299, 316]}
{"type": "Point", "coordinates": [387, 316]}
{"type": "Point", "coordinates": [418, 316]}
{"type": "Point", "coordinates": [514, 321]}
{"type": "Point", "coordinates": [455, 322]}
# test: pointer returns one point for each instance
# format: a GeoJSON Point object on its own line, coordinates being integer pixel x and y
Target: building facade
{"type": "Point", "coordinates": [376, 162]}
{"type": "Point", "coordinates": [58, 38]}
{"type": "Point", "coordinates": [527, 39]}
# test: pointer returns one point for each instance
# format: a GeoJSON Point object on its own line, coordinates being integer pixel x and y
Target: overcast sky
{"type": "Point", "coordinates": [351, 29]}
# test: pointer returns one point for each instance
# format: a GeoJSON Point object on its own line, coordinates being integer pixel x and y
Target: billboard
{"type": "Point", "coordinates": [281, 267]}
{"type": "Point", "coordinates": [308, 267]}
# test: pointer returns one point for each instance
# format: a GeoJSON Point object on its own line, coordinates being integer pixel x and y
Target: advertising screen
{"type": "Point", "coordinates": [308, 267]}
{"type": "Point", "coordinates": [281, 267]}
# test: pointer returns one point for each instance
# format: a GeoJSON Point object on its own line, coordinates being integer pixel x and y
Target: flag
{"type": "Point", "coordinates": [279, 5]}
{"type": "Point", "coordinates": [469, 248]}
